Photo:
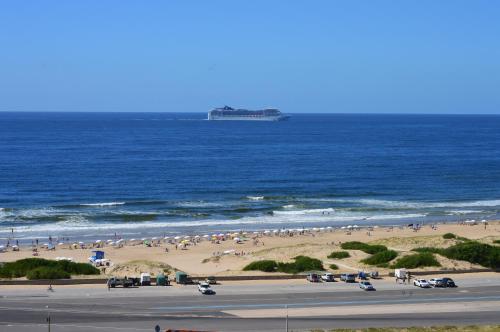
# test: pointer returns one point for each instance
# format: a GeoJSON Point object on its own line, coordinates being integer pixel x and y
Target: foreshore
{"type": "Point", "coordinates": [227, 254]}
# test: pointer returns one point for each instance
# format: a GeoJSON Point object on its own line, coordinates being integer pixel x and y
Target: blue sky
{"type": "Point", "coordinates": [300, 56]}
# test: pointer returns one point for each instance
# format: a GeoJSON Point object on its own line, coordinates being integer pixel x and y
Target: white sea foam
{"type": "Point", "coordinates": [255, 198]}
{"type": "Point", "coordinates": [290, 206]}
{"type": "Point", "coordinates": [416, 205]}
{"type": "Point", "coordinates": [305, 212]}
{"type": "Point", "coordinates": [103, 204]}
{"type": "Point", "coordinates": [196, 204]}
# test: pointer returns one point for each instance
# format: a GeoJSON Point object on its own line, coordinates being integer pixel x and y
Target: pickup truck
{"type": "Point", "coordinates": [114, 281]}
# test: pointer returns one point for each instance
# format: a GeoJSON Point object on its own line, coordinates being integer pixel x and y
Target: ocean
{"type": "Point", "coordinates": [93, 175]}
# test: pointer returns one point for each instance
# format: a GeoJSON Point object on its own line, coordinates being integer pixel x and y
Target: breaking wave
{"type": "Point", "coordinates": [103, 204]}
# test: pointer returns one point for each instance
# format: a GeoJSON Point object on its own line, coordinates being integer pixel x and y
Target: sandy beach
{"type": "Point", "coordinates": [226, 256]}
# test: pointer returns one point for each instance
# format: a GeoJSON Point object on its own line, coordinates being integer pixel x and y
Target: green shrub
{"type": "Point", "coordinates": [429, 249]}
{"type": "Point", "coordinates": [470, 251]}
{"type": "Point", "coordinates": [264, 265]}
{"type": "Point", "coordinates": [334, 267]}
{"type": "Point", "coordinates": [476, 253]}
{"type": "Point", "coordinates": [496, 241]}
{"type": "Point", "coordinates": [416, 260]}
{"type": "Point", "coordinates": [45, 272]}
{"type": "Point", "coordinates": [300, 264]}
{"type": "Point", "coordinates": [369, 249]}
{"type": "Point", "coordinates": [380, 258]}
{"type": "Point", "coordinates": [339, 255]}
{"type": "Point", "coordinates": [22, 267]}
{"type": "Point", "coordinates": [449, 236]}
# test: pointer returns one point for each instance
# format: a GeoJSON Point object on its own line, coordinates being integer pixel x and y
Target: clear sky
{"type": "Point", "coordinates": [425, 56]}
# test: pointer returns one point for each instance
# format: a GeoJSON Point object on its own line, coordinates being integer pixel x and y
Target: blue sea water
{"type": "Point", "coordinates": [89, 175]}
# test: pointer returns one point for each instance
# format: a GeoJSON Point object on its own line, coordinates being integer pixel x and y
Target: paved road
{"type": "Point", "coordinates": [330, 306]}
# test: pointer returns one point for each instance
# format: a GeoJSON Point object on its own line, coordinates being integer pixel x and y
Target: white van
{"type": "Point", "coordinates": [145, 279]}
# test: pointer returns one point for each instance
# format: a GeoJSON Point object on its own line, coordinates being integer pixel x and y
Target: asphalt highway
{"type": "Point", "coordinates": [308, 307]}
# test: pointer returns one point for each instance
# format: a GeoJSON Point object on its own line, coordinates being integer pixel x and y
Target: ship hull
{"type": "Point", "coordinates": [244, 118]}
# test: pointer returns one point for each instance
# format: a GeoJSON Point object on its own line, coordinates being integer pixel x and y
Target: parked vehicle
{"type": "Point", "coordinates": [211, 280]}
{"type": "Point", "coordinates": [204, 288]}
{"type": "Point", "coordinates": [422, 283]}
{"type": "Point", "coordinates": [114, 282]}
{"type": "Point", "coordinates": [145, 279]}
{"type": "Point", "coordinates": [366, 285]}
{"type": "Point", "coordinates": [181, 278]}
{"type": "Point", "coordinates": [374, 275]}
{"type": "Point", "coordinates": [362, 275]}
{"type": "Point", "coordinates": [348, 277]}
{"type": "Point", "coordinates": [401, 274]}
{"type": "Point", "coordinates": [328, 277]}
{"type": "Point", "coordinates": [162, 280]}
{"type": "Point", "coordinates": [313, 277]}
{"type": "Point", "coordinates": [448, 282]}
{"type": "Point", "coordinates": [435, 281]}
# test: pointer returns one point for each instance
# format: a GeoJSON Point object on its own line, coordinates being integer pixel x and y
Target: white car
{"type": "Point", "coordinates": [435, 281]}
{"type": "Point", "coordinates": [205, 288]}
{"type": "Point", "coordinates": [422, 283]}
{"type": "Point", "coordinates": [366, 285]}
{"type": "Point", "coordinates": [327, 277]}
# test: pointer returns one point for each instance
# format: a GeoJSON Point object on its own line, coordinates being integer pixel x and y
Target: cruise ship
{"type": "Point", "coordinates": [229, 113]}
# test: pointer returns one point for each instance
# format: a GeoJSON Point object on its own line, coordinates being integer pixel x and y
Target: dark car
{"type": "Point", "coordinates": [313, 277]}
{"type": "Point", "coordinates": [448, 282]}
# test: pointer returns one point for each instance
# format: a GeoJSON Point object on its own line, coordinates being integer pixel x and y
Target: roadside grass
{"type": "Point", "coordinates": [39, 268]}
{"type": "Point", "coordinates": [299, 264]}
{"type": "Point", "coordinates": [471, 251]}
{"type": "Point", "coordinates": [421, 259]}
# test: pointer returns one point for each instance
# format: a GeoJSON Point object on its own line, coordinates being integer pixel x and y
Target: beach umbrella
{"type": "Point", "coordinates": [255, 233]}
{"type": "Point", "coordinates": [206, 236]}
{"type": "Point", "coordinates": [119, 241]}
{"type": "Point", "coordinates": [154, 238]}
{"type": "Point", "coordinates": [98, 241]}
{"type": "Point", "coordinates": [46, 244]}
{"type": "Point", "coordinates": [143, 239]}
{"type": "Point", "coordinates": [132, 240]}
{"type": "Point", "coordinates": [197, 237]}
{"type": "Point", "coordinates": [237, 239]}
{"type": "Point", "coordinates": [267, 232]}
{"type": "Point", "coordinates": [355, 226]}
{"type": "Point", "coordinates": [343, 227]}
{"type": "Point", "coordinates": [177, 238]}
{"type": "Point", "coordinates": [187, 237]}
{"type": "Point", "coordinates": [220, 234]}
{"type": "Point", "coordinates": [166, 238]}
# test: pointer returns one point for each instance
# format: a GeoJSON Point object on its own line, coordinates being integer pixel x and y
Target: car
{"type": "Point", "coordinates": [327, 277]}
{"type": "Point", "coordinates": [448, 282]}
{"type": "Point", "coordinates": [366, 285]}
{"type": "Point", "coordinates": [114, 281]}
{"type": "Point", "coordinates": [313, 277]}
{"type": "Point", "coordinates": [422, 283]}
{"type": "Point", "coordinates": [348, 277]}
{"type": "Point", "coordinates": [204, 288]}
{"type": "Point", "coordinates": [435, 282]}
{"type": "Point", "coordinates": [211, 280]}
